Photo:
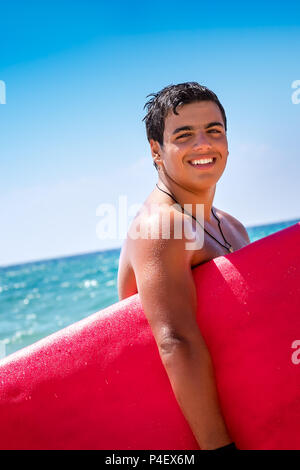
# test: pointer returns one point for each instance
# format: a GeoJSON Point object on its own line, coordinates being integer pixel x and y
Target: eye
{"type": "Point", "coordinates": [187, 134]}
{"type": "Point", "coordinates": [214, 130]}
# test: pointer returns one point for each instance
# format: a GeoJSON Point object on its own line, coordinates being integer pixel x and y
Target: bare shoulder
{"type": "Point", "coordinates": [235, 223]}
{"type": "Point", "coordinates": [160, 235]}
{"type": "Point", "coordinates": [151, 256]}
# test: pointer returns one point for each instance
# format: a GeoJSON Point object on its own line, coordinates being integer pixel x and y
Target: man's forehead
{"type": "Point", "coordinates": [195, 114]}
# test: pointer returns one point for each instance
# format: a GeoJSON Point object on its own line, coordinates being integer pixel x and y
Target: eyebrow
{"type": "Point", "coordinates": [214, 123]}
{"type": "Point", "coordinates": [191, 128]}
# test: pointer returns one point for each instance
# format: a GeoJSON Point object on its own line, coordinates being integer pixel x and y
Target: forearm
{"type": "Point", "coordinates": [190, 370]}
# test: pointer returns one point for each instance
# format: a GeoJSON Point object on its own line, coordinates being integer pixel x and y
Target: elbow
{"type": "Point", "coordinates": [185, 343]}
{"type": "Point", "coordinates": [170, 344]}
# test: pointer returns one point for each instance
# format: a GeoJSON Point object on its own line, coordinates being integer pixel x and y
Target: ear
{"type": "Point", "coordinates": [156, 152]}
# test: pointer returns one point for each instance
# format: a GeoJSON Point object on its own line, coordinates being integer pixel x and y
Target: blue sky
{"type": "Point", "coordinates": [77, 74]}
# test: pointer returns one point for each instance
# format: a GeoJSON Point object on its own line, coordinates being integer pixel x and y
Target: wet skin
{"type": "Point", "coordinates": [160, 270]}
{"type": "Point", "coordinates": [191, 185]}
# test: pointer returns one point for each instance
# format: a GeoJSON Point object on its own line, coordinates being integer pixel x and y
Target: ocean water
{"type": "Point", "coordinates": [39, 298]}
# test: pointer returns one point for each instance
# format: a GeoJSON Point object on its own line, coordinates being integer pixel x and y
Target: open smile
{"type": "Point", "coordinates": [203, 163]}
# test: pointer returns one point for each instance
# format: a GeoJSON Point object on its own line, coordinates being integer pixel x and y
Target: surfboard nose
{"type": "Point", "coordinates": [100, 383]}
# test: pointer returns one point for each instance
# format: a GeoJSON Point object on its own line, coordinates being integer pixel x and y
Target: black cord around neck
{"type": "Point", "coordinates": [191, 215]}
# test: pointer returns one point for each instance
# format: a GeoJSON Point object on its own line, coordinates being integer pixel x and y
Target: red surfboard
{"type": "Point", "coordinates": [100, 383]}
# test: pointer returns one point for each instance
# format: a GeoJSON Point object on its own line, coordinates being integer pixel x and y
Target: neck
{"type": "Point", "coordinates": [187, 196]}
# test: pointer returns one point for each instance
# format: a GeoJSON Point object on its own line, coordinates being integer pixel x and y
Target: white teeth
{"type": "Point", "coordinates": [202, 162]}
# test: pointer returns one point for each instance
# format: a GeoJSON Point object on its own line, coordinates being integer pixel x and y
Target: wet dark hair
{"type": "Point", "coordinates": [169, 98]}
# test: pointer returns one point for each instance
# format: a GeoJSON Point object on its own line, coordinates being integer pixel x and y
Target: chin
{"type": "Point", "coordinates": [206, 180]}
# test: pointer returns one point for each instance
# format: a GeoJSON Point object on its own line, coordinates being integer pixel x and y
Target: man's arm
{"type": "Point", "coordinates": [168, 295]}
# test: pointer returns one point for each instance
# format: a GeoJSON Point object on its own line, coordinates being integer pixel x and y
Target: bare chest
{"type": "Point", "coordinates": [213, 246]}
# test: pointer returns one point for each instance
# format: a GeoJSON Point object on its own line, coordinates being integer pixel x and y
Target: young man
{"type": "Point", "coordinates": [186, 129]}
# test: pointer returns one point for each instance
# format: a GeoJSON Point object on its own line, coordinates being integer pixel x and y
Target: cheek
{"type": "Point", "coordinates": [223, 148]}
{"type": "Point", "coordinates": [172, 156]}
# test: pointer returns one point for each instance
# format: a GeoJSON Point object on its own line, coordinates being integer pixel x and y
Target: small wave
{"type": "Point", "coordinates": [31, 316]}
{"type": "Point", "coordinates": [3, 288]}
{"type": "Point", "coordinates": [18, 336]}
{"type": "Point", "coordinates": [90, 283]}
{"type": "Point", "coordinates": [65, 284]}
{"type": "Point", "coordinates": [19, 285]}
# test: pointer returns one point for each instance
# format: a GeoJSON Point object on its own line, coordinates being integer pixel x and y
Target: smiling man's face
{"type": "Point", "coordinates": [196, 134]}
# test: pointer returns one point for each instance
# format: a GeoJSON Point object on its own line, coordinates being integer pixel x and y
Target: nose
{"type": "Point", "coordinates": [202, 142]}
